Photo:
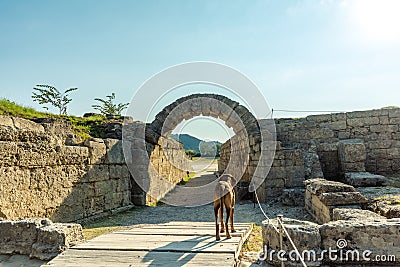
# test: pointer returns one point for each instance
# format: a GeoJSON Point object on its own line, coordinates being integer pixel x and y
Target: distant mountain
{"type": "Point", "coordinates": [192, 143]}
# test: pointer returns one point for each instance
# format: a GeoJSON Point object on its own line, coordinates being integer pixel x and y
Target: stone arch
{"type": "Point", "coordinates": [235, 115]}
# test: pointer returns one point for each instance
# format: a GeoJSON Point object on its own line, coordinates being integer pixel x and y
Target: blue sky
{"type": "Point", "coordinates": [303, 55]}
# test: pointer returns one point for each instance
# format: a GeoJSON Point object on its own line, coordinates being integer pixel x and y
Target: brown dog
{"type": "Point", "coordinates": [224, 196]}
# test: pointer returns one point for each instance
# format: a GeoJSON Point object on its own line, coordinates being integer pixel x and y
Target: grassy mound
{"type": "Point", "coordinates": [81, 126]}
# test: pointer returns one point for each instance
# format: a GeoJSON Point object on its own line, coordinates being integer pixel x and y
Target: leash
{"type": "Point", "coordinates": [263, 212]}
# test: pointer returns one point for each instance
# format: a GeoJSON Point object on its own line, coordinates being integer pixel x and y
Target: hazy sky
{"type": "Point", "coordinates": [303, 55]}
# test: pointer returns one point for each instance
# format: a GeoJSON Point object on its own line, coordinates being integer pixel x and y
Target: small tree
{"type": "Point", "coordinates": [47, 94]}
{"type": "Point", "coordinates": [190, 153]}
{"type": "Point", "coordinates": [108, 107]}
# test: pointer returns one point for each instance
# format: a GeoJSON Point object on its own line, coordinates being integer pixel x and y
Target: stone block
{"type": "Point", "coordinates": [394, 113]}
{"type": "Point", "coordinates": [23, 124]}
{"type": "Point", "coordinates": [294, 171]}
{"type": "Point", "coordinates": [114, 154]}
{"type": "Point", "coordinates": [381, 237]}
{"type": "Point", "coordinates": [19, 236]}
{"type": "Point", "coordinates": [277, 173]}
{"type": "Point", "coordinates": [95, 173]}
{"type": "Point", "coordinates": [342, 198]}
{"type": "Point", "coordinates": [364, 179]}
{"type": "Point", "coordinates": [354, 214]}
{"type": "Point", "coordinates": [360, 122]}
{"type": "Point", "coordinates": [56, 238]}
{"type": "Point", "coordinates": [293, 197]}
{"type": "Point", "coordinates": [6, 121]}
{"type": "Point", "coordinates": [294, 182]}
{"type": "Point", "coordinates": [317, 186]}
{"type": "Point", "coordinates": [119, 171]}
{"type": "Point", "coordinates": [318, 210]}
{"type": "Point", "coordinates": [274, 183]}
{"type": "Point", "coordinates": [352, 155]}
{"type": "Point", "coordinates": [305, 236]}
{"type": "Point", "coordinates": [97, 150]}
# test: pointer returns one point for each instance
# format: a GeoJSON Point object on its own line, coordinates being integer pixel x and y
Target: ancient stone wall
{"type": "Point", "coordinates": [378, 129]}
{"type": "Point", "coordinates": [167, 162]}
{"type": "Point", "coordinates": [329, 146]}
{"type": "Point", "coordinates": [41, 177]}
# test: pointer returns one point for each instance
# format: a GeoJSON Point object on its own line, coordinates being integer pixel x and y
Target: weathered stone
{"type": "Point", "coordinates": [381, 237]}
{"type": "Point", "coordinates": [354, 214]}
{"type": "Point", "coordinates": [97, 150]}
{"type": "Point", "coordinates": [114, 154]}
{"type": "Point", "coordinates": [23, 124]}
{"type": "Point", "coordinates": [351, 154]}
{"type": "Point", "coordinates": [293, 197]}
{"type": "Point", "coordinates": [312, 166]}
{"type": "Point", "coordinates": [19, 236]}
{"type": "Point", "coordinates": [56, 238]}
{"type": "Point", "coordinates": [357, 122]}
{"type": "Point", "coordinates": [305, 236]}
{"type": "Point", "coordinates": [364, 179]}
{"type": "Point", "coordinates": [294, 182]}
{"type": "Point", "coordinates": [318, 186]}
{"type": "Point", "coordinates": [342, 198]}
{"type": "Point", "coordinates": [38, 238]}
{"type": "Point", "coordinates": [394, 113]}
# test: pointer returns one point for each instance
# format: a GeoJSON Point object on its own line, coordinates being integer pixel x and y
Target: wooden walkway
{"type": "Point", "coordinates": [172, 244]}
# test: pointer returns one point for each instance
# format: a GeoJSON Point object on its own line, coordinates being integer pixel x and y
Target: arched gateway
{"type": "Point", "coordinates": [143, 143]}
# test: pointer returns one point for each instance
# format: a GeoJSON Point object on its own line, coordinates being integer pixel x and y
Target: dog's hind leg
{"type": "Point", "coordinates": [228, 214]}
{"type": "Point", "coordinates": [231, 219]}
{"type": "Point", "coordinates": [232, 212]}
{"type": "Point", "coordinates": [216, 208]}
{"type": "Point", "coordinates": [221, 217]}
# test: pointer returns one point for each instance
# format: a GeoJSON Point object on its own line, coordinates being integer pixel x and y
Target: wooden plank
{"type": "Point", "coordinates": [169, 244]}
{"type": "Point", "coordinates": [135, 239]}
{"type": "Point", "coordinates": [185, 228]}
{"type": "Point", "coordinates": [174, 231]}
{"type": "Point", "coordinates": [242, 240]}
{"type": "Point", "coordinates": [188, 246]}
{"type": "Point", "coordinates": [195, 223]}
{"type": "Point", "coordinates": [105, 258]}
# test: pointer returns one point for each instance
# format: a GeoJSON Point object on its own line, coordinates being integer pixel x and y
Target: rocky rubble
{"type": "Point", "coordinates": [39, 238]}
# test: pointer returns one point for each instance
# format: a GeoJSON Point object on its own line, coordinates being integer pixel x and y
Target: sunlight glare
{"type": "Point", "coordinates": [378, 20]}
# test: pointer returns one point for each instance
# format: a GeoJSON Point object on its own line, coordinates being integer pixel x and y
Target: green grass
{"type": "Point", "coordinates": [187, 178]}
{"type": "Point", "coordinates": [255, 241]}
{"type": "Point", "coordinates": [389, 199]}
{"type": "Point", "coordinates": [8, 107]}
{"type": "Point", "coordinates": [83, 127]}
{"type": "Point", "coordinates": [91, 233]}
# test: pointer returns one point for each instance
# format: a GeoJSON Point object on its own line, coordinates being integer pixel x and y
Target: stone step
{"type": "Point", "coordinates": [364, 179]}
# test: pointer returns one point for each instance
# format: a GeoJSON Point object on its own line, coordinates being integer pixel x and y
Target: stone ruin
{"type": "Point", "coordinates": [321, 163]}
{"type": "Point", "coordinates": [337, 209]}
{"type": "Point", "coordinates": [49, 174]}
{"type": "Point", "coordinates": [38, 238]}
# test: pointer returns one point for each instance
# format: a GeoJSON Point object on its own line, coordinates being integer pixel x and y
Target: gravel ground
{"type": "Point", "coordinates": [244, 212]}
